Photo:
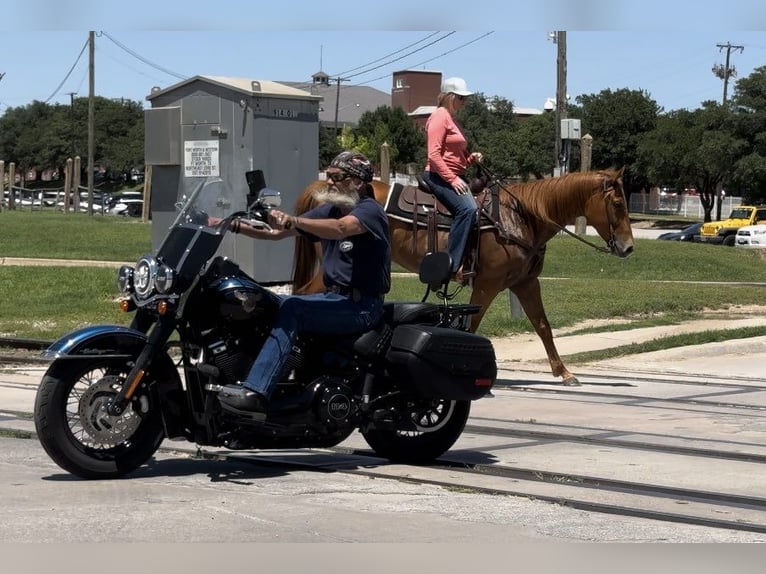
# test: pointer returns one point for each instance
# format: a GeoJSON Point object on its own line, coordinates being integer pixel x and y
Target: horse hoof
{"type": "Point", "coordinates": [571, 381]}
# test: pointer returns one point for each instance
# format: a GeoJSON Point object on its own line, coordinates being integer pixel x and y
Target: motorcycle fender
{"type": "Point", "coordinates": [117, 342]}
{"type": "Point", "coordinates": [111, 341]}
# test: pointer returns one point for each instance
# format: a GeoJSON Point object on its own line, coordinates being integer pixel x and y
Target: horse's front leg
{"type": "Point", "coordinates": [532, 302]}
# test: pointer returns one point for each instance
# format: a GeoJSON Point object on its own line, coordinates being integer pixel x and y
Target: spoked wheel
{"type": "Point", "coordinates": [79, 434]}
{"type": "Point", "coordinates": [437, 425]}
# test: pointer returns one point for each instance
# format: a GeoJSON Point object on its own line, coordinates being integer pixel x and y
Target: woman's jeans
{"type": "Point", "coordinates": [464, 212]}
{"type": "Point", "coordinates": [328, 313]}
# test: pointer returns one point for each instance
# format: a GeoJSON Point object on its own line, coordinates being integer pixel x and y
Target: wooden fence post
{"type": "Point", "coordinates": [147, 193]}
{"type": "Point", "coordinates": [586, 145]}
{"type": "Point", "coordinates": [76, 183]}
{"type": "Point", "coordinates": [67, 184]}
{"type": "Point", "coordinates": [385, 163]}
{"type": "Point", "coordinates": [11, 181]}
{"type": "Point", "coordinates": [2, 183]}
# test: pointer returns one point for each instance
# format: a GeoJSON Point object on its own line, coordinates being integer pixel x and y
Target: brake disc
{"type": "Point", "coordinates": [102, 427]}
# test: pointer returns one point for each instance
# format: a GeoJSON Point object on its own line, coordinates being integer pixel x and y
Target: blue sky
{"type": "Point", "coordinates": [666, 48]}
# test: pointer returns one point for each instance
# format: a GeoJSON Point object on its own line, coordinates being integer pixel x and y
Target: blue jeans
{"type": "Point", "coordinates": [464, 212]}
{"type": "Point", "coordinates": [328, 313]}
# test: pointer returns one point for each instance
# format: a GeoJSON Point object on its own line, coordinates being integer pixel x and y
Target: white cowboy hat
{"type": "Point", "coordinates": [456, 86]}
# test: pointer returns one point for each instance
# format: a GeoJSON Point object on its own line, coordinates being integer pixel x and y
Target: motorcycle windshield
{"type": "Point", "coordinates": [197, 232]}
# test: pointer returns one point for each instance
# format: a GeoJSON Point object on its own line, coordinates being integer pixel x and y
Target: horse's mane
{"type": "Point", "coordinates": [556, 198]}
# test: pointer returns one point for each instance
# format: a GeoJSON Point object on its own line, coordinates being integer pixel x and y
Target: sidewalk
{"type": "Point", "coordinates": [741, 357]}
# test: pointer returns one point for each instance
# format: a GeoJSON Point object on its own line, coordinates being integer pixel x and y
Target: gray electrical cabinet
{"type": "Point", "coordinates": [211, 126]}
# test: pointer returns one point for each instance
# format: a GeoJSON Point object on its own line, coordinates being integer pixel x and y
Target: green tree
{"type": "Point", "coordinates": [617, 120]}
{"type": "Point", "coordinates": [329, 146]}
{"type": "Point", "coordinates": [696, 148]}
{"type": "Point", "coordinates": [749, 109]}
{"type": "Point", "coordinates": [394, 126]}
{"type": "Point", "coordinates": [489, 125]}
{"type": "Point", "coordinates": [40, 136]}
{"type": "Point", "coordinates": [532, 145]}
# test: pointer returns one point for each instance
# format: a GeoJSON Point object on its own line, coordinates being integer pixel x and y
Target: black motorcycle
{"type": "Point", "coordinates": [112, 394]}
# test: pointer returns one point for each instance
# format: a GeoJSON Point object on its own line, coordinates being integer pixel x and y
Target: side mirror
{"type": "Point", "coordinates": [270, 197]}
{"type": "Point", "coordinates": [435, 269]}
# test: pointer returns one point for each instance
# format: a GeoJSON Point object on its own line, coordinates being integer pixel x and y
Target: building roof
{"type": "Point", "coordinates": [422, 111]}
{"type": "Point", "coordinates": [526, 111]}
{"type": "Point", "coordinates": [247, 86]}
{"type": "Point", "coordinates": [353, 102]}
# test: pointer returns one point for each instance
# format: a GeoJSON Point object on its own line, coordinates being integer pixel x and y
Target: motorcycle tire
{"type": "Point", "coordinates": [75, 430]}
{"type": "Point", "coordinates": [439, 425]}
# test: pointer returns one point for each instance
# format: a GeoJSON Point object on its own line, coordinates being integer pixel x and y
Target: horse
{"type": "Point", "coordinates": [546, 206]}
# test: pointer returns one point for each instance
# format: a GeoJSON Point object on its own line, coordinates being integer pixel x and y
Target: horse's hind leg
{"type": "Point", "coordinates": [532, 302]}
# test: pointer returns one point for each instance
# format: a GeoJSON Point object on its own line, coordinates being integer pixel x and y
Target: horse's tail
{"type": "Point", "coordinates": [305, 255]}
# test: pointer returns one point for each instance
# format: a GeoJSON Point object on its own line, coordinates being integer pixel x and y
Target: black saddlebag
{"type": "Point", "coordinates": [442, 363]}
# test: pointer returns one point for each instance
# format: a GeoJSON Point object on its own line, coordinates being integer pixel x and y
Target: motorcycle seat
{"type": "Point", "coordinates": [402, 313]}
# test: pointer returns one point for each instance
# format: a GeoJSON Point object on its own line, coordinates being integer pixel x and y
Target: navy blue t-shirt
{"type": "Point", "coordinates": [360, 261]}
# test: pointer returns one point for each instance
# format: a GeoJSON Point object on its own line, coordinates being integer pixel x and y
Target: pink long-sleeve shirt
{"type": "Point", "coordinates": [447, 147]}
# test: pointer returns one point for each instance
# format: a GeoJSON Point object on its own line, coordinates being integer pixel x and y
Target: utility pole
{"type": "Point", "coordinates": [560, 39]}
{"type": "Point", "coordinates": [338, 80]}
{"type": "Point", "coordinates": [91, 116]}
{"type": "Point", "coordinates": [71, 122]}
{"type": "Point", "coordinates": [726, 71]}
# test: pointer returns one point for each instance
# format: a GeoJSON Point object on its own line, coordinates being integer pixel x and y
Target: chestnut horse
{"type": "Point", "coordinates": [548, 205]}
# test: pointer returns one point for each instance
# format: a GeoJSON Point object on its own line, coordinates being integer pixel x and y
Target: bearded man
{"type": "Point", "coordinates": [356, 259]}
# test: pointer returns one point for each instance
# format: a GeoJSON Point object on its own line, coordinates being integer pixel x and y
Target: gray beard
{"type": "Point", "coordinates": [343, 200]}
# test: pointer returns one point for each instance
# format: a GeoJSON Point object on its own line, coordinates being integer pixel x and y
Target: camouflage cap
{"type": "Point", "coordinates": [354, 164]}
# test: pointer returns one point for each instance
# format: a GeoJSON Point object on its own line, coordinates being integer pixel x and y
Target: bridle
{"type": "Point", "coordinates": [608, 187]}
{"type": "Point", "coordinates": [611, 245]}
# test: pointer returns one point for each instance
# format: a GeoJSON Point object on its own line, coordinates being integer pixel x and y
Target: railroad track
{"type": "Point", "coordinates": [685, 450]}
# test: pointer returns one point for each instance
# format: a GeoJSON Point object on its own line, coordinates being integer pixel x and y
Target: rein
{"type": "Point", "coordinates": [610, 243]}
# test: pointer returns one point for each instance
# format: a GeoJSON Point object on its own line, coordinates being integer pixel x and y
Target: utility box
{"type": "Point", "coordinates": [570, 129]}
{"type": "Point", "coordinates": [226, 127]}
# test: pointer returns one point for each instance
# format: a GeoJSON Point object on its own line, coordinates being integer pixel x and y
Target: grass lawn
{"type": "Point", "coordinates": [663, 282]}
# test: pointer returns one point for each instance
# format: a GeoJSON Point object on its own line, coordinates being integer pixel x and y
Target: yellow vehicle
{"type": "Point", "coordinates": [725, 232]}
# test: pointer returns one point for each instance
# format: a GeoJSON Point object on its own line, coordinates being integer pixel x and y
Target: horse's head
{"type": "Point", "coordinates": [607, 212]}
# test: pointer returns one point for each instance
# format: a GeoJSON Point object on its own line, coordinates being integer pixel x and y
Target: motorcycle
{"type": "Point", "coordinates": [112, 393]}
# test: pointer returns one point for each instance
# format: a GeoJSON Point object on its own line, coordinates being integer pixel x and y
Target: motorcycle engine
{"type": "Point", "coordinates": [334, 403]}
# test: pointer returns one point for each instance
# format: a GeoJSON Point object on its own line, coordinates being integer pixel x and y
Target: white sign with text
{"type": "Point", "coordinates": [201, 158]}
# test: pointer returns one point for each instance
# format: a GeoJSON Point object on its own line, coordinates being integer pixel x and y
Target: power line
{"type": "Point", "coordinates": [434, 58]}
{"type": "Point", "coordinates": [431, 35]}
{"type": "Point", "coordinates": [308, 84]}
{"type": "Point", "coordinates": [56, 91]}
{"type": "Point", "coordinates": [401, 57]}
{"type": "Point", "coordinates": [142, 59]}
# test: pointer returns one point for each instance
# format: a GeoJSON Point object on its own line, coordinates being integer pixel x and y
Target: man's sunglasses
{"type": "Point", "coordinates": [337, 176]}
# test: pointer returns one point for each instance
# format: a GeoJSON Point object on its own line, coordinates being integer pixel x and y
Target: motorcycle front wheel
{"type": "Point", "coordinates": [78, 433]}
{"type": "Point", "coordinates": [437, 425]}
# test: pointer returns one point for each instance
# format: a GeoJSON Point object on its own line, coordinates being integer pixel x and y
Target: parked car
{"type": "Point", "coordinates": [685, 234]}
{"type": "Point", "coordinates": [127, 203]}
{"type": "Point", "coordinates": [751, 236]}
{"type": "Point", "coordinates": [725, 232]}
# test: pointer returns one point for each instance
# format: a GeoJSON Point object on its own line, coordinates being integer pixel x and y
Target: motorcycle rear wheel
{"type": "Point", "coordinates": [439, 424]}
{"type": "Point", "coordinates": [77, 433]}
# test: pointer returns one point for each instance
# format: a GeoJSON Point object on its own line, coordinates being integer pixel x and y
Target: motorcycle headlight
{"type": "Point", "coordinates": [165, 279]}
{"type": "Point", "coordinates": [125, 279]}
{"type": "Point", "coordinates": [145, 276]}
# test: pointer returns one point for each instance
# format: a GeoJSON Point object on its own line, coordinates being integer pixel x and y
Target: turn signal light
{"type": "Point", "coordinates": [127, 305]}
{"type": "Point", "coordinates": [162, 307]}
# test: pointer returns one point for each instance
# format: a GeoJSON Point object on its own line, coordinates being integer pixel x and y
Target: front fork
{"type": "Point", "coordinates": [154, 345]}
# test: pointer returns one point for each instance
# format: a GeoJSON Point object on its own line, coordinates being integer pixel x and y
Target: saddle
{"type": "Point", "coordinates": [417, 205]}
